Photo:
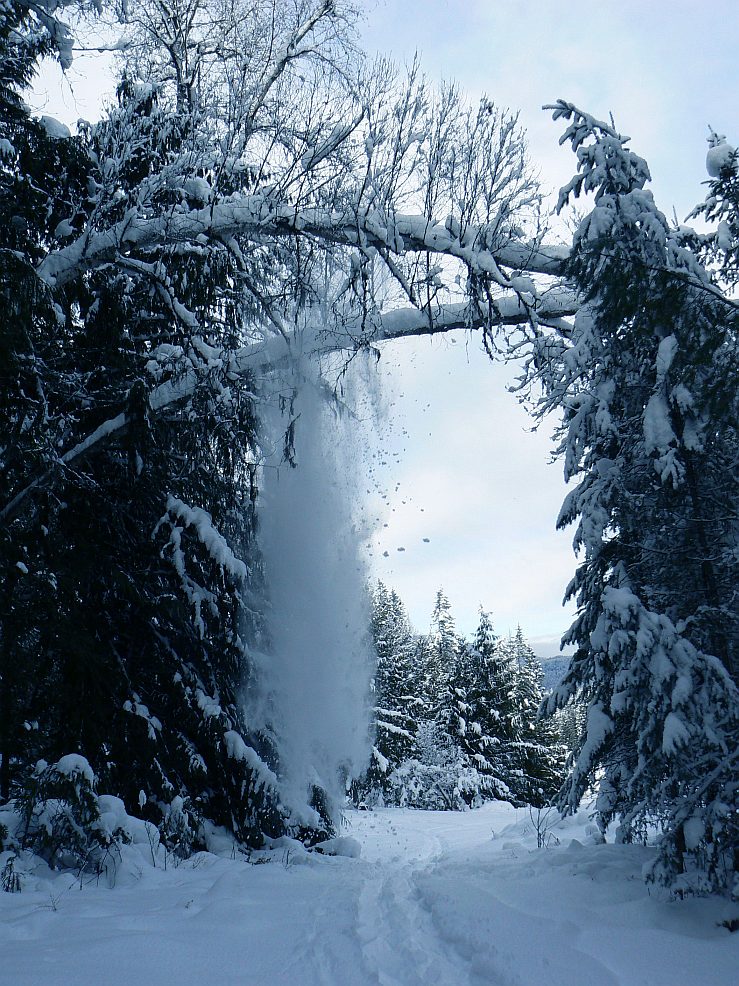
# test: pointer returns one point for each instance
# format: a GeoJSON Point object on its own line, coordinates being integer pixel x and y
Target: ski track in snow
{"type": "Point", "coordinates": [410, 940]}
{"type": "Point", "coordinates": [437, 899]}
{"type": "Point", "coordinates": [397, 934]}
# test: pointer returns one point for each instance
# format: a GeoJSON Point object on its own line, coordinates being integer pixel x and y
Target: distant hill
{"type": "Point", "coordinates": [554, 669]}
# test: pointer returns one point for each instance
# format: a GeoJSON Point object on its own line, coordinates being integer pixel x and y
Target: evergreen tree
{"type": "Point", "coordinates": [395, 646]}
{"type": "Point", "coordinates": [649, 380]}
{"type": "Point", "coordinates": [441, 648]}
{"type": "Point", "coordinates": [540, 756]}
{"type": "Point", "coordinates": [439, 776]}
{"type": "Point", "coordinates": [719, 249]}
{"type": "Point", "coordinates": [569, 722]}
{"type": "Point", "coordinates": [121, 635]}
{"type": "Point", "coordinates": [40, 176]}
{"type": "Point", "coordinates": [481, 712]}
{"type": "Point", "coordinates": [395, 692]}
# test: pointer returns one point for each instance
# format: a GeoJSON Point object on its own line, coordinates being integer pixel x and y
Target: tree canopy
{"type": "Point", "coordinates": [259, 192]}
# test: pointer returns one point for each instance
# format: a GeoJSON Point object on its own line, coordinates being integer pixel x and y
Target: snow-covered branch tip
{"type": "Point", "coordinates": [607, 155]}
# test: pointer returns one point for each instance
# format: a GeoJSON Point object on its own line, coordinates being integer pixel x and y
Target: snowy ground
{"type": "Point", "coordinates": [435, 898]}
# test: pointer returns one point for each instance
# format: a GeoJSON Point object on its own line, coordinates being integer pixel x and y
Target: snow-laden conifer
{"type": "Point", "coordinates": [540, 757]}
{"type": "Point", "coordinates": [398, 703]}
{"type": "Point", "coordinates": [650, 436]}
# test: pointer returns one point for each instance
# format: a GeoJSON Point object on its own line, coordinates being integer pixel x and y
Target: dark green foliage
{"type": "Point", "coordinates": [59, 815]}
{"type": "Point", "coordinates": [540, 754]}
{"type": "Point", "coordinates": [397, 703]}
{"type": "Point", "coordinates": [720, 248]}
{"type": "Point", "coordinates": [482, 738]}
{"type": "Point", "coordinates": [441, 649]}
{"type": "Point", "coordinates": [649, 379]}
{"type": "Point", "coordinates": [121, 631]}
{"type": "Point", "coordinates": [492, 711]}
{"type": "Point", "coordinates": [482, 714]}
{"type": "Point", "coordinates": [569, 723]}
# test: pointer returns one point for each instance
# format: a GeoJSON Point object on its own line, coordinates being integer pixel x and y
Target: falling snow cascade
{"type": "Point", "coordinates": [315, 683]}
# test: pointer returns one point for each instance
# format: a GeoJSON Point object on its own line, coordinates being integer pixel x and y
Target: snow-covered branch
{"type": "Point", "coordinates": [259, 216]}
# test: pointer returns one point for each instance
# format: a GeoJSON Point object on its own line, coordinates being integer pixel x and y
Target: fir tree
{"type": "Point", "coordinates": [395, 692]}
{"type": "Point", "coordinates": [649, 380]}
{"type": "Point", "coordinates": [122, 633]}
{"type": "Point", "coordinates": [442, 647]}
{"type": "Point", "coordinates": [719, 249]}
{"type": "Point", "coordinates": [540, 756]}
{"type": "Point", "coordinates": [482, 714]}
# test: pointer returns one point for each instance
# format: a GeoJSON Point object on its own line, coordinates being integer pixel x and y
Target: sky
{"type": "Point", "coordinates": [471, 496]}
{"type": "Point", "coordinates": [476, 482]}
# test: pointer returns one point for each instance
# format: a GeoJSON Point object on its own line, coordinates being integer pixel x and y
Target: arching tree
{"type": "Point", "coordinates": [171, 257]}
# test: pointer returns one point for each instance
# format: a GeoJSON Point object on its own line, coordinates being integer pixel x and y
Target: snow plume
{"type": "Point", "coordinates": [315, 680]}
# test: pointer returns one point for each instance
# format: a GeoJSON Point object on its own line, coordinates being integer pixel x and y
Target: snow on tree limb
{"type": "Point", "coordinates": [258, 216]}
{"type": "Point", "coordinates": [215, 544]}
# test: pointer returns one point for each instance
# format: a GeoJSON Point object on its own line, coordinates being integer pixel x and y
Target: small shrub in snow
{"type": "Point", "coordinates": [441, 778]}
{"type": "Point", "coordinates": [10, 880]}
{"type": "Point", "coordinates": [178, 831]}
{"type": "Point", "coordinates": [436, 787]}
{"type": "Point", "coordinates": [542, 819]}
{"type": "Point", "coordinates": [60, 817]}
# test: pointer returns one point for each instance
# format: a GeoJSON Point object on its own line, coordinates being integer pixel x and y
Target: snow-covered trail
{"type": "Point", "coordinates": [399, 942]}
{"type": "Point", "coordinates": [443, 903]}
{"type": "Point", "coordinates": [467, 899]}
{"type": "Point", "coordinates": [436, 898]}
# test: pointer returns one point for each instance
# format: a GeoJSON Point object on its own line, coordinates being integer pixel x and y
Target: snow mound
{"type": "Point", "coordinates": [342, 845]}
